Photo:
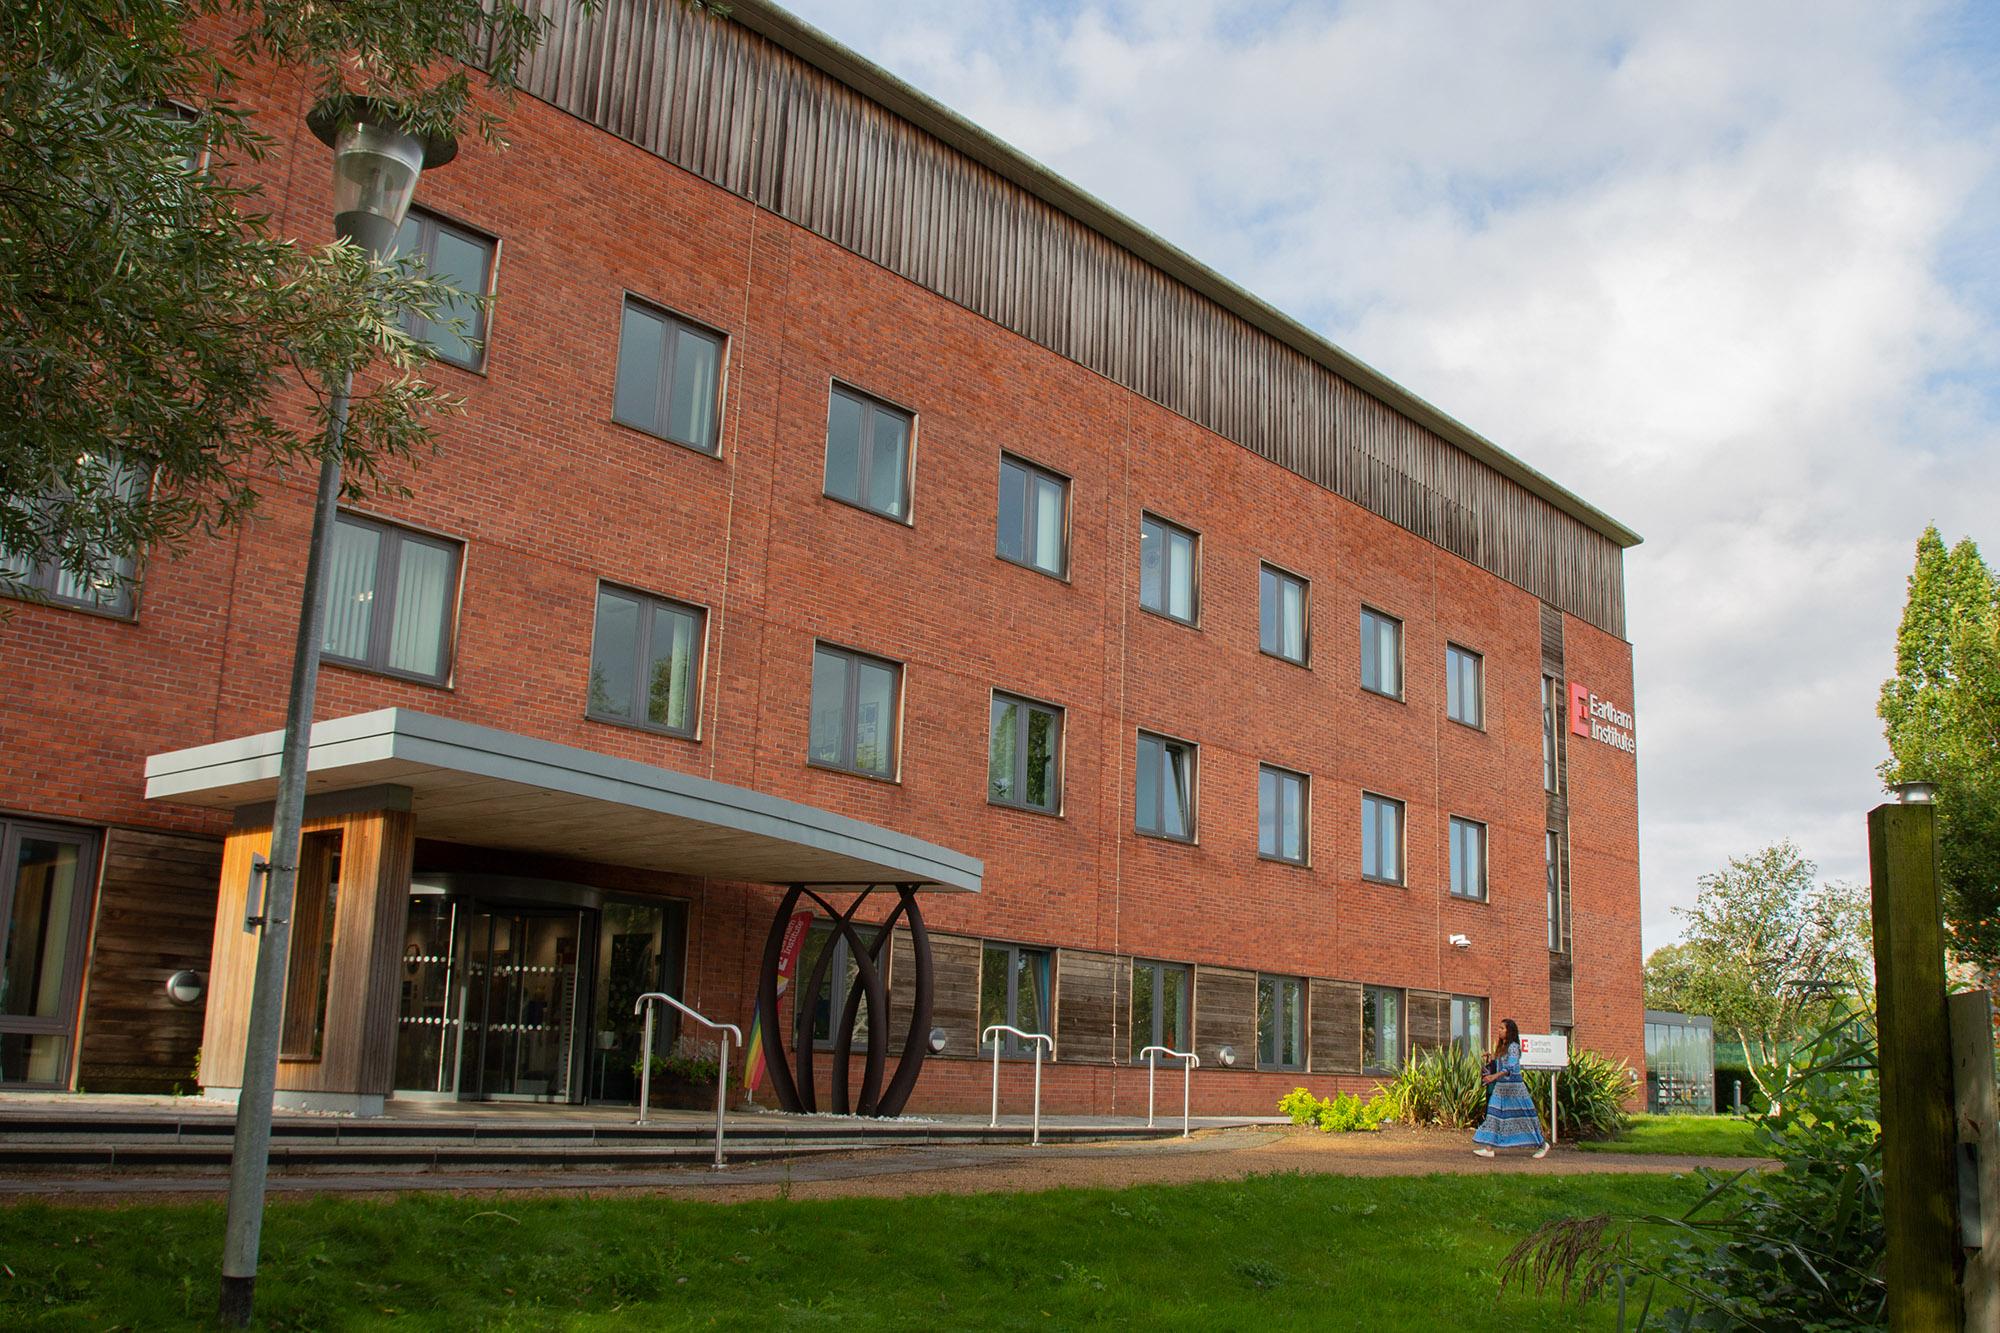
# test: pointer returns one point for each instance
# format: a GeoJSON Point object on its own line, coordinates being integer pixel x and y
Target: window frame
{"type": "Point", "coordinates": [840, 971]}
{"type": "Point", "coordinates": [417, 325]}
{"type": "Point", "coordinates": [1281, 984]}
{"type": "Point", "coordinates": [1020, 774]}
{"type": "Point", "coordinates": [1458, 1004]}
{"type": "Point", "coordinates": [674, 321]}
{"type": "Point", "coordinates": [1477, 722]}
{"type": "Point", "coordinates": [1035, 471]}
{"type": "Point", "coordinates": [1189, 778]}
{"type": "Point", "coordinates": [1395, 623]}
{"type": "Point", "coordinates": [1402, 809]}
{"type": "Point", "coordinates": [852, 713]}
{"type": "Point", "coordinates": [1369, 1063]}
{"type": "Point", "coordinates": [1551, 735]}
{"type": "Point", "coordinates": [1171, 530]}
{"type": "Point", "coordinates": [1011, 1046]}
{"type": "Point", "coordinates": [37, 582]}
{"type": "Point", "coordinates": [302, 1019]}
{"type": "Point", "coordinates": [1453, 860]}
{"type": "Point", "coordinates": [382, 608]}
{"type": "Point", "coordinates": [1552, 853]}
{"type": "Point", "coordinates": [89, 843]}
{"type": "Point", "coordinates": [1183, 975]}
{"type": "Point", "coordinates": [870, 403]}
{"type": "Point", "coordinates": [1282, 576]}
{"type": "Point", "coordinates": [650, 605]}
{"type": "Point", "coordinates": [1304, 781]}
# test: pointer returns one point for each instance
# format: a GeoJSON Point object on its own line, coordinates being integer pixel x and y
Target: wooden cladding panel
{"type": "Point", "coordinates": [733, 107]}
{"type": "Point", "coordinates": [954, 995]}
{"type": "Point", "coordinates": [1225, 1014]}
{"type": "Point", "coordinates": [155, 916]}
{"type": "Point", "coordinates": [1336, 1027]}
{"type": "Point", "coordinates": [1088, 990]}
{"type": "Point", "coordinates": [1430, 1019]}
{"type": "Point", "coordinates": [1562, 991]}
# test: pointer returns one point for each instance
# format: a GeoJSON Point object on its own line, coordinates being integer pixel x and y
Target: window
{"type": "Point", "coordinates": [1381, 653]}
{"type": "Point", "coordinates": [854, 712]}
{"type": "Point", "coordinates": [1381, 838]}
{"type": "Point", "coordinates": [1468, 859]}
{"type": "Point", "coordinates": [46, 874]}
{"type": "Point", "coordinates": [1034, 517]}
{"type": "Point", "coordinates": [645, 662]}
{"type": "Point", "coordinates": [309, 965]}
{"type": "Point", "coordinates": [1023, 755]}
{"type": "Point", "coordinates": [1468, 1023]}
{"type": "Point", "coordinates": [819, 1017]}
{"type": "Point", "coordinates": [1551, 755]}
{"type": "Point", "coordinates": [1282, 619]}
{"type": "Point", "coordinates": [1552, 849]}
{"type": "Point", "coordinates": [108, 582]}
{"type": "Point", "coordinates": [1464, 686]}
{"type": "Point", "coordinates": [1283, 814]}
{"type": "Point", "coordinates": [389, 599]}
{"type": "Point", "coordinates": [1159, 1007]}
{"type": "Point", "coordinates": [1281, 1023]}
{"type": "Point", "coordinates": [1014, 989]}
{"type": "Point", "coordinates": [1164, 804]}
{"type": "Point", "coordinates": [1381, 1030]}
{"type": "Point", "coordinates": [462, 260]}
{"type": "Point", "coordinates": [868, 453]}
{"type": "Point", "coordinates": [669, 377]}
{"type": "Point", "coordinates": [1167, 571]}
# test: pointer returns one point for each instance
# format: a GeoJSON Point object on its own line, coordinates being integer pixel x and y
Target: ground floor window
{"type": "Point", "coordinates": [1468, 1023]}
{"type": "Point", "coordinates": [1159, 1006]}
{"type": "Point", "coordinates": [309, 966]}
{"type": "Point", "coordinates": [46, 873]}
{"type": "Point", "coordinates": [819, 1015]}
{"type": "Point", "coordinates": [1281, 1023]}
{"type": "Point", "coordinates": [1381, 1030]}
{"type": "Point", "coordinates": [1014, 989]}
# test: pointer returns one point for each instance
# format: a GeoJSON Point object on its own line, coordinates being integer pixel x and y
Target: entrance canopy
{"type": "Point", "coordinates": [473, 784]}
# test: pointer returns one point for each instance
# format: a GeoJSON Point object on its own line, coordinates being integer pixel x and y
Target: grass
{"type": "Point", "coordinates": [1384, 1253]}
{"type": "Point", "coordinates": [1686, 1135]}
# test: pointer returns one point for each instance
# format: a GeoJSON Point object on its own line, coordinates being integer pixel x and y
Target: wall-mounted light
{"type": "Point", "coordinates": [1460, 941]}
{"type": "Point", "coordinates": [186, 987]}
{"type": "Point", "coordinates": [938, 1041]}
{"type": "Point", "coordinates": [1227, 1055]}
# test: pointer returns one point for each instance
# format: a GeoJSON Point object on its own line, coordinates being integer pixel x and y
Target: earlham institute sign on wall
{"type": "Point", "coordinates": [1600, 719]}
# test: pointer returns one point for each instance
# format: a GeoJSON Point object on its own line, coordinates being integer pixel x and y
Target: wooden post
{"type": "Point", "coordinates": [1919, 1140]}
{"type": "Point", "coordinates": [1978, 1157]}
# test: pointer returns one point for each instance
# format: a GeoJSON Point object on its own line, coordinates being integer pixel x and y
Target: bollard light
{"type": "Point", "coordinates": [375, 166]}
{"type": "Point", "coordinates": [1915, 793]}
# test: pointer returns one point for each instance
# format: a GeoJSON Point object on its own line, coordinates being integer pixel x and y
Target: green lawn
{"type": "Point", "coordinates": [1692, 1135]}
{"type": "Point", "coordinates": [1339, 1252]}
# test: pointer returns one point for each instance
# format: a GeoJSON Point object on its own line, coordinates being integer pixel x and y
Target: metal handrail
{"type": "Point", "coordinates": [1193, 1062]}
{"type": "Point", "coordinates": [722, 1070]}
{"type": "Point", "coordinates": [1037, 1038]}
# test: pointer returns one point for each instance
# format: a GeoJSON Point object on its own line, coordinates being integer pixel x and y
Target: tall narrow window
{"type": "Point", "coordinates": [1282, 614]}
{"type": "Point", "coordinates": [1381, 1030]}
{"type": "Point", "coordinates": [1164, 799]}
{"type": "Point", "coordinates": [1014, 989]}
{"type": "Point", "coordinates": [854, 712]}
{"type": "Point", "coordinates": [463, 260]}
{"type": "Point", "coordinates": [106, 582]}
{"type": "Point", "coordinates": [1464, 686]}
{"type": "Point", "coordinates": [1552, 851]}
{"type": "Point", "coordinates": [1283, 814]}
{"type": "Point", "coordinates": [1381, 653]}
{"type": "Point", "coordinates": [1167, 569]}
{"type": "Point", "coordinates": [1281, 1023]}
{"type": "Point", "coordinates": [1159, 1006]}
{"type": "Point", "coordinates": [46, 875]}
{"type": "Point", "coordinates": [819, 1016]}
{"type": "Point", "coordinates": [1381, 838]}
{"type": "Point", "coordinates": [390, 597]}
{"type": "Point", "coordinates": [1551, 753]}
{"type": "Point", "coordinates": [1468, 858]}
{"type": "Point", "coordinates": [1468, 1023]}
{"type": "Point", "coordinates": [645, 662]}
{"type": "Point", "coordinates": [868, 453]}
{"type": "Point", "coordinates": [1024, 752]}
{"type": "Point", "coordinates": [1033, 527]}
{"type": "Point", "coordinates": [669, 377]}
{"type": "Point", "coordinates": [309, 966]}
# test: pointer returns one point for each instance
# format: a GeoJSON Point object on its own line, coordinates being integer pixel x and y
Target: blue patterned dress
{"type": "Point", "coordinates": [1511, 1121]}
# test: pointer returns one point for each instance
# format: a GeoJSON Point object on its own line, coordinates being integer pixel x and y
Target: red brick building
{"type": "Point", "coordinates": [825, 449]}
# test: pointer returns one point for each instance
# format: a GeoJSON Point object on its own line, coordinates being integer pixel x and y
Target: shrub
{"type": "Point", "coordinates": [1592, 1092]}
{"type": "Point", "coordinates": [690, 1061]}
{"type": "Point", "coordinates": [1301, 1106]}
{"type": "Point", "coordinates": [1439, 1087]}
{"type": "Point", "coordinates": [1343, 1114]}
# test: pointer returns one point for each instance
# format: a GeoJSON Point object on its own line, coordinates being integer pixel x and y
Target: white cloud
{"type": "Point", "coordinates": [1717, 267]}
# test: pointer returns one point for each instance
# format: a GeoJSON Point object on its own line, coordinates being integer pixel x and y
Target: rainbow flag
{"type": "Point", "coordinates": [788, 960]}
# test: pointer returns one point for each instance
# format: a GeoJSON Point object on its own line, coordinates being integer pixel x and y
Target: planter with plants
{"type": "Point", "coordinates": [683, 1077]}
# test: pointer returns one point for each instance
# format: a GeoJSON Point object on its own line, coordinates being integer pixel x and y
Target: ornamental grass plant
{"type": "Point", "coordinates": [1438, 1087]}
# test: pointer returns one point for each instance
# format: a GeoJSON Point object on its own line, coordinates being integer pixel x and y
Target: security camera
{"type": "Point", "coordinates": [1461, 941]}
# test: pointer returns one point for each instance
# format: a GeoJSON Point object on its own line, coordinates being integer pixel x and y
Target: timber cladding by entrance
{"type": "Point", "coordinates": [1430, 1018]}
{"type": "Point", "coordinates": [155, 910]}
{"type": "Point", "coordinates": [1335, 1008]}
{"type": "Point", "coordinates": [358, 1049]}
{"type": "Point", "coordinates": [1087, 989]}
{"type": "Point", "coordinates": [1225, 1014]}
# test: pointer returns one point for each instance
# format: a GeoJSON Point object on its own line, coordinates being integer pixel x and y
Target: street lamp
{"type": "Point", "coordinates": [375, 167]}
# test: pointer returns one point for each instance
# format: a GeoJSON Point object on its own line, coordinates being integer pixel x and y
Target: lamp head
{"type": "Point", "coordinates": [375, 167]}
{"type": "Point", "coordinates": [1915, 793]}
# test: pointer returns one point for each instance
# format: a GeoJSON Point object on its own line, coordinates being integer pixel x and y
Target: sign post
{"type": "Point", "coordinates": [1550, 1051]}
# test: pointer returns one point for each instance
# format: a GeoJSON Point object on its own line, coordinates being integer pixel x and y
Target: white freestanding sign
{"type": "Point", "coordinates": [1550, 1051]}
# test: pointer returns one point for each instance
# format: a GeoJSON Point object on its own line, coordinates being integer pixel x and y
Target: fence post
{"type": "Point", "coordinates": [1919, 1144]}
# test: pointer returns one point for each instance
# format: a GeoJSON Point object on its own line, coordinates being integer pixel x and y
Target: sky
{"type": "Point", "coordinates": [1729, 272]}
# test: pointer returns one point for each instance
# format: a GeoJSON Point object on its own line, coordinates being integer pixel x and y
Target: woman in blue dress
{"type": "Point", "coordinates": [1510, 1113]}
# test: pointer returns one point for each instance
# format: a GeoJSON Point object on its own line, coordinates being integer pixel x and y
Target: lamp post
{"type": "Point", "coordinates": [375, 167]}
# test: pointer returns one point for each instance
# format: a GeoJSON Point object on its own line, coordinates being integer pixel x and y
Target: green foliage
{"type": "Point", "coordinates": [1343, 1113]}
{"type": "Point", "coordinates": [690, 1061]}
{"type": "Point", "coordinates": [1941, 718]}
{"type": "Point", "coordinates": [1797, 1249]}
{"type": "Point", "coordinates": [1590, 1095]}
{"type": "Point", "coordinates": [1441, 1087]}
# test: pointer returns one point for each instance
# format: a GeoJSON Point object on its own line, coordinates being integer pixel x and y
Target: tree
{"type": "Point", "coordinates": [150, 317]}
{"type": "Point", "coordinates": [1941, 718]}
{"type": "Point", "coordinates": [1768, 952]}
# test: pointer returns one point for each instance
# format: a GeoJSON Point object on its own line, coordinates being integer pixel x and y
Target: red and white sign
{"type": "Point", "coordinates": [1600, 720]}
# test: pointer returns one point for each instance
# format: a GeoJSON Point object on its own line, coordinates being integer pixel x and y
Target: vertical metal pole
{"type": "Point", "coordinates": [1919, 1143]}
{"type": "Point", "coordinates": [250, 1149]}
{"type": "Point", "coordinates": [1187, 1087]}
{"type": "Point", "coordinates": [1555, 1100]}
{"type": "Point", "coordinates": [646, 1064]}
{"type": "Point", "coordinates": [1152, 1067]}
{"type": "Point", "coordinates": [1037, 1140]}
{"type": "Point", "coordinates": [994, 1123]}
{"type": "Point", "coordinates": [721, 1095]}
